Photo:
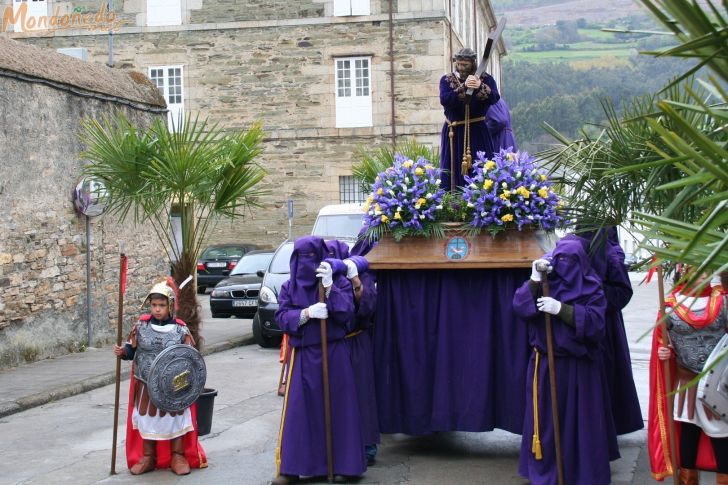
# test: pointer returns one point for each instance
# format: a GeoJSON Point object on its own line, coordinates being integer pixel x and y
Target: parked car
{"type": "Point", "coordinates": [339, 221]}
{"type": "Point", "coordinates": [238, 293]}
{"type": "Point", "coordinates": [266, 331]}
{"type": "Point", "coordinates": [217, 261]}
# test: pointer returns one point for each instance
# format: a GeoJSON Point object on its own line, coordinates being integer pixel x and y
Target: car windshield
{"type": "Point", "coordinates": [251, 263]}
{"type": "Point", "coordinates": [339, 225]}
{"type": "Point", "coordinates": [229, 252]}
{"type": "Point", "coordinates": [281, 260]}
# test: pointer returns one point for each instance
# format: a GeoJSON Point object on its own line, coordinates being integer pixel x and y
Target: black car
{"type": "Point", "coordinates": [217, 261]}
{"type": "Point", "coordinates": [266, 331]}
{"type": "Point", "coordinates": [238, 293]}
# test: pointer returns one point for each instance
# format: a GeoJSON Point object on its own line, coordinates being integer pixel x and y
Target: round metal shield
{"type": "Point", "coordinates": [176, 378]}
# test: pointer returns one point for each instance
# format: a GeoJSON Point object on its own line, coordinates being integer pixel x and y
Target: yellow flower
{"type": "Point", "coordinates": [488, 184]}
{"type": "Point", "coordinates": [489, 165]}
{"type": "Point", "coordinates": [509, 157]}
{"type": "Point", "coordinates": [377, 208]}
{"type": "Point", "coordinates": [385, 219]}
{"type": "Point", "coordinates": [523, 191]}
{"type": "Point", "coordinates": [505, 195]}
{"type": "Point", "coordinates": [419, 171]}
{"type": "Point", "coordinates": [542, 177]}
{"type": "Point", "coordinates": [398, 216]}
{"type": "Point", "coordinates": [560, 203]}
{"type": "Point", "coordinates": [380, 191]}
{"type": "Point", "coordinates": [429, 167]}
{"type": "Point", "coordinates": [507, 218]}
{"type": "Point", "coordinates": [543, 192]}
{"type": "Point", "coordinates": [421, 200]}
{"type": "Point", "coordinates": [408, 163]}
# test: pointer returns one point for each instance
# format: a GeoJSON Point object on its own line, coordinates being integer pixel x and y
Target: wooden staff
{"type": "Point", "coordinates": [552, 381]}
{"type": "Point", "coordinates": [119, 321]}
{"type": "Point", "coordinates": [668, 381]}
{"type": "Point", "coordinates": [327, 398]}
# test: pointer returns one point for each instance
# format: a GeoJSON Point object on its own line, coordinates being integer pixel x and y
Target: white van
{"type": "Point", "coordinates": [339, 221]}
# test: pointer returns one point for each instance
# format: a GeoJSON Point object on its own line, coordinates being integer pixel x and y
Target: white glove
{"type": "Point", "coordinates": [548, 305]}
{"type": "Point", "coordinates": [318, 310]}
{"type": "Point", "coordinates": [535, 273]}
{"type": "Point", "coordinates": [351, 270]}
{"type": "Point", "coordinates": [326, 274]}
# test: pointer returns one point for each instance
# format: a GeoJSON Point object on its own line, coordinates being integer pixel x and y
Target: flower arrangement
{"type": "Point", "coordinates": [405, 200]}
{"type": "Point", "coordinates": [510, 191]}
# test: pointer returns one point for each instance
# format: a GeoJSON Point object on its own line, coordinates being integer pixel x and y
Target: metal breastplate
{"type": "Point", "coordinates": [150, 343]}
{"type": "Point", "coordinates": [692, 347]}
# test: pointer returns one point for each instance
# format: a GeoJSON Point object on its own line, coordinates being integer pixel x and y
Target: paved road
{"type": "Point", "coordinates": [69, 441]}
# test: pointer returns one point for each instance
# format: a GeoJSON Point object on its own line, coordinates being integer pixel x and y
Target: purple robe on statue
{"type": "Point", "coordinates": [607, 260]}
{"type": "Point", "coordinates": [498, 121]}
{"type": "Point", "coordinates": [586, 428]}
{"type": "Point", "coordinates": [302, 446]}
{"type": "Point", "coordinates": [447, 352]}
{"type": "Point", "coordinates": [452, 99]}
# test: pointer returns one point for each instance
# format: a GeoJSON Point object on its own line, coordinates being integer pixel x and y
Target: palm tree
{"type": "Point", "coordinates": [194, 173]}
{"type": "Point", "coordinates": [663, 164]}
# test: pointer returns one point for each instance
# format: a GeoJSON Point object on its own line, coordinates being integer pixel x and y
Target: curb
{"type": "Point", "coordinates": [91, 383]}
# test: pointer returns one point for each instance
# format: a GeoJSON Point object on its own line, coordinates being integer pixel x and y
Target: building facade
{"type": "Point", "coordinates": [324, 77]}
{"type": "Point", "coordinates": [44, 96]}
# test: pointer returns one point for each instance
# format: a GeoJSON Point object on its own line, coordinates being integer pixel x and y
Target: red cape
{"type": "Point", "coordinates": [658, 429]}
{"type": "Point", "coordinates": [134, 442]}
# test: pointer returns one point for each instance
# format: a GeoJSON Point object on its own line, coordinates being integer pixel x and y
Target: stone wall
{"type": "Point", "coordinates": [43, 240]}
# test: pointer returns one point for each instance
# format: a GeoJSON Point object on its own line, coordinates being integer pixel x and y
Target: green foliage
{"type": "Point", "coordinates": [371, 163]}
{"type": "Point", "coordinates": [196, 172]}
{"type": "Point", "coordinates": [663, 165]}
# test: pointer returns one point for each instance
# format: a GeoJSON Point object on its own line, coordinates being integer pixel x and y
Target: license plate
{"type": "Point", "coordinates": [216, 265]}
{"type": "Point", "coordinates": [245, 302]}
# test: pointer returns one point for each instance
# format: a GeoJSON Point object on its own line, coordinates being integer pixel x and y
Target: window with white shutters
{"type": "Point", "coordinates": [168, 80]}
{"type": "Point", "coordinates": [352, 7]}
{"type": "Point", "coordinates": [164, 12]}
{"type": "Point", "coordinates": [353, 92]}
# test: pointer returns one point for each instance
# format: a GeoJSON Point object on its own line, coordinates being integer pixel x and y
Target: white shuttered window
{"type": "Point", "coordinates": [352, 7]}
{"type": "Point", "coordinates": [168, 80]}
{"type": "Point", "coordinates": [164, 12]}
{"type": "Point", "coordinates": [353, 92]}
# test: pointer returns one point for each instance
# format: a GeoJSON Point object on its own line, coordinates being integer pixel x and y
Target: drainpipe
{"type": "Point", "coordinates": [449, 23]}
{"type": "Point", "coordinates": [391, 71]}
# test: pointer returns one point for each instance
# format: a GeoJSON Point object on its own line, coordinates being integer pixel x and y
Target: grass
{"type": "Point", "coordinates": [569, 55]}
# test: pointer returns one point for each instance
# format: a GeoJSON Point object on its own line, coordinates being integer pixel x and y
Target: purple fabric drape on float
{"type": "Point", "coordinates": [448, 355]}
{"type": "Point", "coordinates": [498, 121]}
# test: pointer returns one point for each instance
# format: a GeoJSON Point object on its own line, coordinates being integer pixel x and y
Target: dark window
{"type": "Point", "coordinates": [350, 190]}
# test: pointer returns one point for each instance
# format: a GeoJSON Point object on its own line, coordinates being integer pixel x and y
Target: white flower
{"type": "Point", "coordinates": [389, 182]}
{"type": "Point", "coordinates": [526, 203]}
{"type": "Point", "coordinates": [518, 174]}
{"type": "Point", "coordinates": [406, 180]}
{"type": "Point", "coordinates": [438, 182]}
{"type": "Point", "coordinates": [422, 216]}
{"type": "Point", "coordinates": [428, 196]}
{"type": "Point", "coordinates": [530, 217]}
{"type": "Point", "coordinates": [404, 187]}
{"type": "Point", "coordinates": [504, 185]}
{"type": "Point", "coordinates": [483, 214]}
{"type": "Point", "coordinates": [473, 186]}
{"type": "Point", "coordinates": [532, 186]}
{"type": "Point", "coordinates": [508, 203]}
{"type": "Point", "coordinates": [470, 204]}
{"type": "Point", "coordinates": [438, 207]}
{"type": "Point", "coordinates": [399, 208]}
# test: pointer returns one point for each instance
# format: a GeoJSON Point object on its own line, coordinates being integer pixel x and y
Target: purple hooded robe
{"type": "Point", "coordinates": [302, 446]}
{"type": "Point", "coordinates": [586, 428]}
{"type": "Point", "coordinates": [360, 345]}
{"type": "Point", "coordinates": [607, 259]}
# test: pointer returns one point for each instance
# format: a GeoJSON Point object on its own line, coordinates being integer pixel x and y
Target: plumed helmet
{"type": "Point", "coordinates": [466, 54]}
{"type": "Point", "coordinates": [167, 289]}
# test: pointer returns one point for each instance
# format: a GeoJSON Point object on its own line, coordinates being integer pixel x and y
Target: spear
{"type": "Point", "coordinates": [552, 377]}
{"type": "Point", "coordinates": [668, 381]}
{"type": "Point", "coordinates": [119, 321]}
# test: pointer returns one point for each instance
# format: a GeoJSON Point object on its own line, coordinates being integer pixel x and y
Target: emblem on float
{"type": "Point", "coordinates": [457, 248]}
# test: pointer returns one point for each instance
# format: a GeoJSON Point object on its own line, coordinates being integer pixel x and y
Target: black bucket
{"type": "Point", "coordinates": [205, 403]}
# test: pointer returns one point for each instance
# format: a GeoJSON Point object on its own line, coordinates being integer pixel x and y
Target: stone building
{"type": "Point", "coordinates": [324, 76]}
{"type": "Point", "coordinates": [43, 98]}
